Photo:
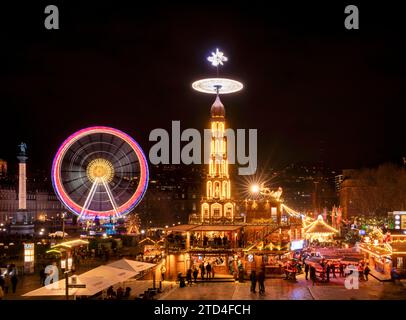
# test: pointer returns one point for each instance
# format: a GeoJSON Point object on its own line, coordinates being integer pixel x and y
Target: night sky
{"type": "Point", "coordinates": [314, 90]}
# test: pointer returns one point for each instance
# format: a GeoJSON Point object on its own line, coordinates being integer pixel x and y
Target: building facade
{"type": "Point", "coordinates": [41, 204]}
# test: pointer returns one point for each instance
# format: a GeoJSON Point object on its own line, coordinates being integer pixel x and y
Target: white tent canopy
{"type": "Point", "coordinates": [132, 265]}
{"type": "Point", "coordinates": [96, 279]}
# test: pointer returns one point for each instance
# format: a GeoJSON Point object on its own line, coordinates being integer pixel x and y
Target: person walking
{"type": "Point", "coordinates": [202, 270]}
{"type": "Point", "coordinates": [208, 270]}
{"type": "Point", "coordinates": [195, 274]}
{"type": "Point", "coordinates": [313, 274]}
{"type": "Point", "coordinates": [14, 280]}
{"type": "Point", "coordinates": [341, 270]}
{"type": "Point", "coordinates": [261, 281]}
{"type": "Point", "coordinates": [253, 279]}
{"type": "Point", "coordinates": [307, 271]}
{"type": "Point", "coordinates": [42, 276]}
{"type": "Point", "coordinates": [333, 268]}
{"type": "Point", "coordinates": [7, 282]}
{"type": "Point", "coordinates": [328, 268]}
{"type": "Point", "coordinates": [366, 272]}
{"type": "Point", "coordinates": [163, 271]}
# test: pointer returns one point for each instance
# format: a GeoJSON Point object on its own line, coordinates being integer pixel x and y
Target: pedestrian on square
{"type": "Point", "coordinates": [307, 268]}
{"type": "Point", "coordinates": [253, 279]}
{"type": "Point", "coordinates": [341, 270]}
{"type": "Point", "coordinates": [333, 268]}
{"type": "Point", "coordinates": [261, 281]}
{"type": "Point", "coordinates": [328, 268]}
{"type": "Point", "coordinates": [202, 270]}
{"type": "Point", "coordinates": [7, 282]}
{"type": "Point", "coordinates": [111, 294]}
{"type": "Point", "coordinates": [42, 276]}
{"type": "Point", "coordinates": [195, 274]}
{"type": "Point", "coordinates": [286, 268]}
{"type": "Point", "coordinates": [313, 274]}
{"type": "Point", "coordinates": [163, 271]}
{"type": "Point", "coordinates": [120, 293]}
{"type": "Point", "coordinates": [366, 272]}
{"type": "Point", "coordinates": [208, 270]}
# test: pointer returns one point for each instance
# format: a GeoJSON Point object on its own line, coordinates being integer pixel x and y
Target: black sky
{"type": "Point", "coordinates": [310, 84]}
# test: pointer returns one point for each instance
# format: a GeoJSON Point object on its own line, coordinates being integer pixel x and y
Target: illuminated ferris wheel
{"type": "Point", "coordinates": [100, 171]}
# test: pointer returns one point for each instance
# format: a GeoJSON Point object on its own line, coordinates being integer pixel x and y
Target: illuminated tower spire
{"type": "Point", "coordinates": [217, 205]}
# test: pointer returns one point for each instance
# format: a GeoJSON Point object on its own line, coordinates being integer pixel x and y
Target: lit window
{"type": "Point", "coordinates": [399, 262]}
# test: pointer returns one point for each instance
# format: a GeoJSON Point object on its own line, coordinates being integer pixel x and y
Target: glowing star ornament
{"type": "Point", "coordinates": [217, 58]}
{"type": "Point", "coordinates": [217, 85]}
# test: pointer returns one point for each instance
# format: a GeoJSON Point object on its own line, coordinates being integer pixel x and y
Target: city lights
{"type": "Point", "coordinates": [254, 188]}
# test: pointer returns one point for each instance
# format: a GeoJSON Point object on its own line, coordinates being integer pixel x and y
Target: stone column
{"type": "Point", "coordinates": [22, 185]}
{"type": "Point", "coordinates": [22, 188]}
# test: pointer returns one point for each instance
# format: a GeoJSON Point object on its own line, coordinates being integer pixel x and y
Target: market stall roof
{"type": "Point", "coordinates": [131, 265]}
{"type": "Point", "coordinates": [379, 250]}
{"type": "Point", "coordinates": [149, 240]}
{"type": "Point", "coordinates": [203, 227]}
{"type": "Point", "coordinates": [319, 226]}
{"type": "Point", "coordinates": [71, 244]}
{"type": "Point", "coordinates": [216, 227]}
{"type": "Point", "coordinates": [181, 227]}
{"type": "Point", "coordinates": [95, 280]}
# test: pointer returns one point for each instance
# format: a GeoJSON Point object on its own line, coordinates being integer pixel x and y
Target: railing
{"type": "Point", "coordinates": [222, 220]}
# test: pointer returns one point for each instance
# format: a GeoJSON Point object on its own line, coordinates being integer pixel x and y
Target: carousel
{"type": "Point", "coordinates": [319, 231]}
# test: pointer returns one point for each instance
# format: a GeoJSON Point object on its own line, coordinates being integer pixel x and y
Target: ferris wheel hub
{"type": "Point", "coordinates": [101, 169]}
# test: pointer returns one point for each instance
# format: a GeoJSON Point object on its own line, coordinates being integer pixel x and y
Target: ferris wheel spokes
{"type": "Point", "coordinates": [100, 172]}
{"type": "Point", "coordinates": [111, 198]}
{"type": "Point", "coordinates": [89, 197]}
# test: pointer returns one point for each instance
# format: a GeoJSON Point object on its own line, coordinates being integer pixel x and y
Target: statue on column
{"type": "Point", "coordinates": [23, 148]}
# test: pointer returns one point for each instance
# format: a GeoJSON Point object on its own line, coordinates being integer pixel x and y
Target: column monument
{"type": "Point", "coordinates": [22, 223]}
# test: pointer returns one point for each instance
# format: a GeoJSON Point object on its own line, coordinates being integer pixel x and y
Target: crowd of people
{"type": "Point", "coordinates": [8, 280]}
{"type": "Point", "coordinates": [120, 294]}
{"type": "Point", "coordinates": [197, 240]}
{"type": "Point", "coordinates": [205, 269]}
{"type": "Point", "coordinates": [329, 268]}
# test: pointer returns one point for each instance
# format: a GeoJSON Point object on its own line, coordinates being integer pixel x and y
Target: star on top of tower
{"type": "Point", "coordinates": [217, 58]}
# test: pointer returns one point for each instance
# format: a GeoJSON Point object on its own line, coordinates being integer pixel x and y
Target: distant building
{"type": "Point", "coordinates": [173, 193]}
{"type": "Point", "coordinates": [338, 179]}
{"type": "Point", "coordinates": [3, 168]}
{"type": "Point", "coordinates": [349, 189]}
{"type": "Point", "coordinates": [41, 203]}
{"type": "Point", "coordinates": [308, 186]}
{"type": "Point", "coordinates": [373, 191]}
